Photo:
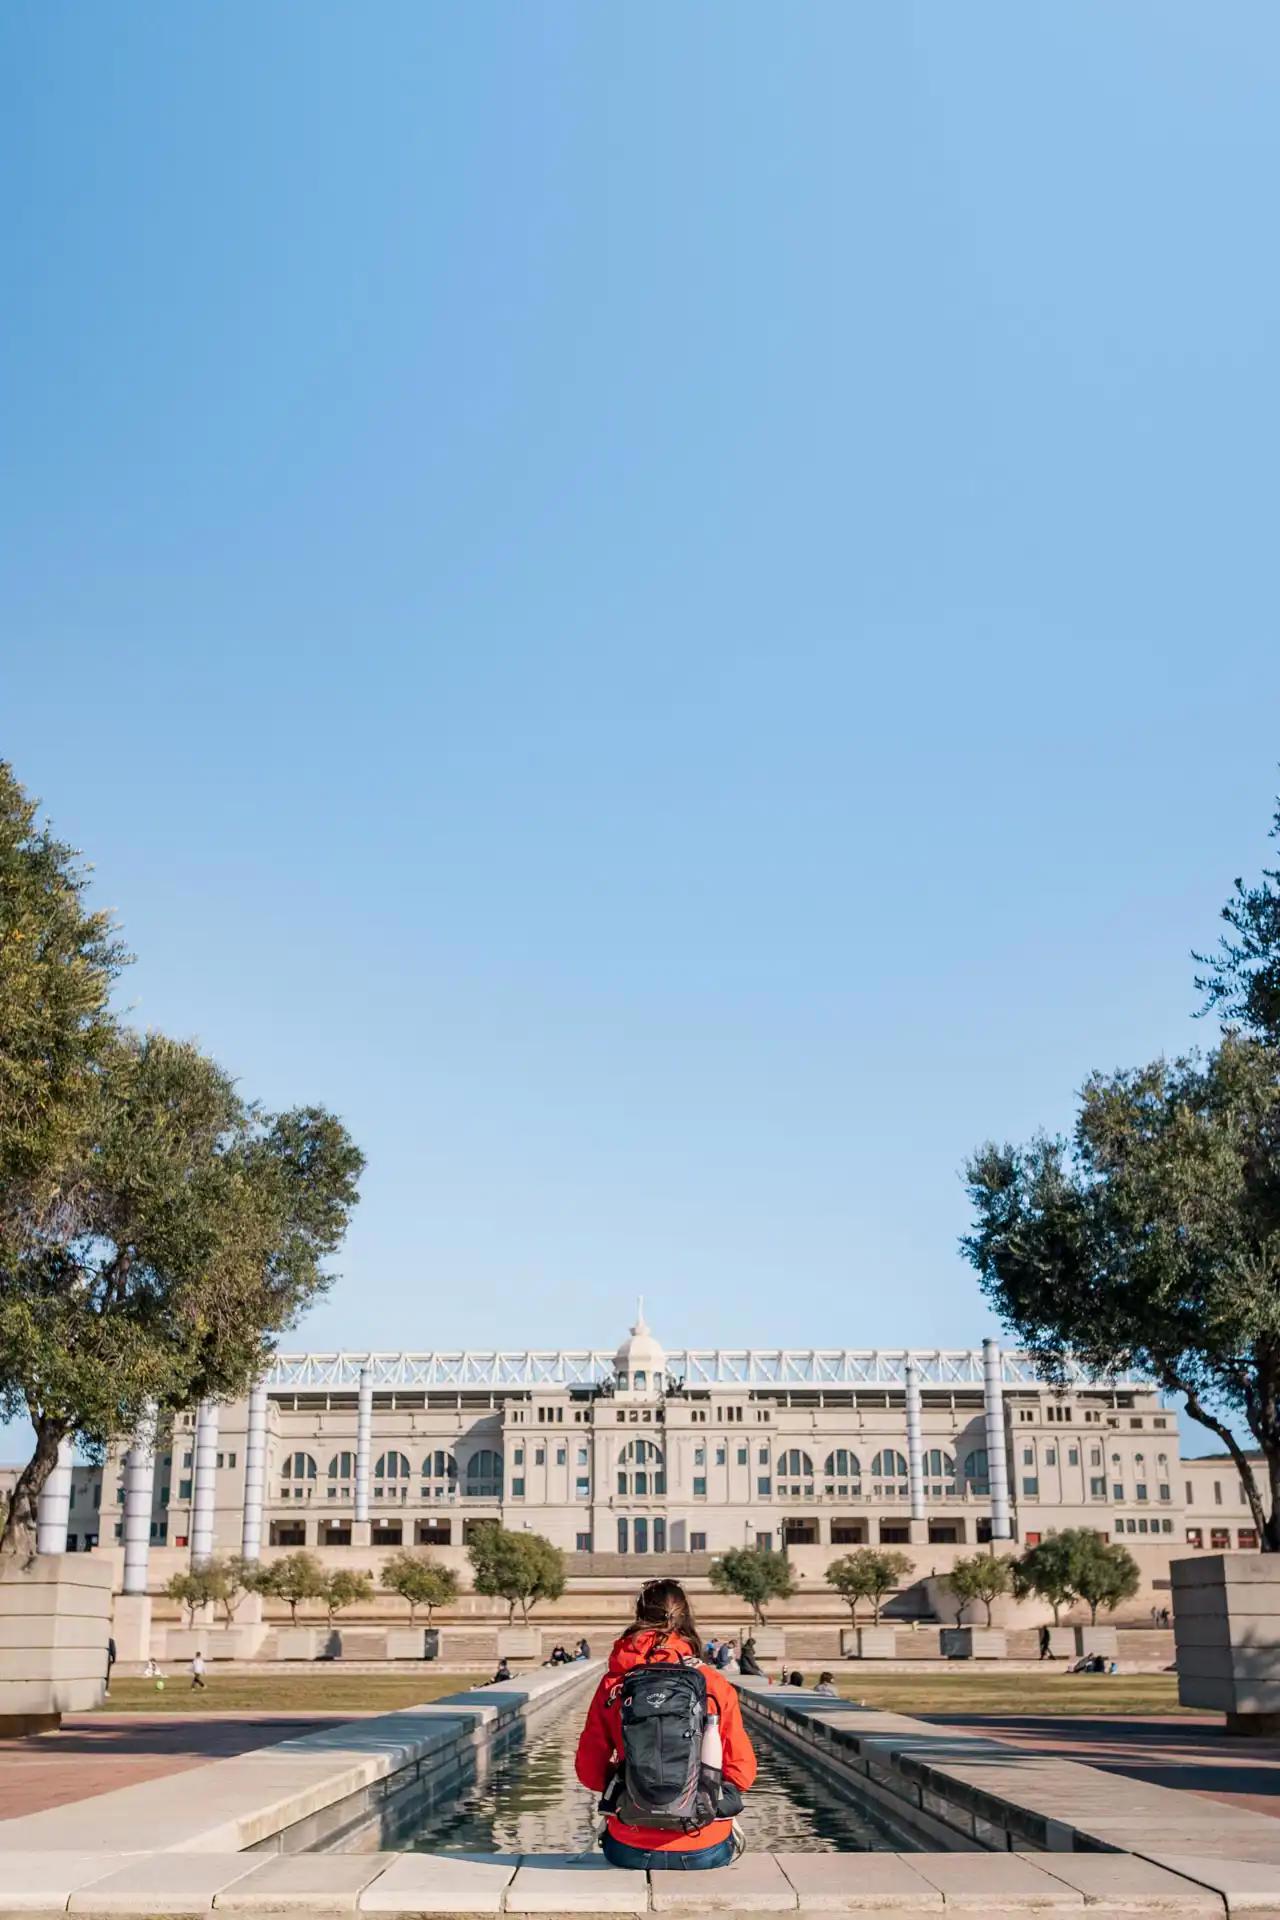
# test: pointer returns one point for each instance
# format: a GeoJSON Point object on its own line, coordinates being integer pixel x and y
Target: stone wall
{"type": "Point", "coordinates": [55, 1621]}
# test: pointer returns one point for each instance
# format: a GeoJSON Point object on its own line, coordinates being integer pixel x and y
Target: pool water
{"type": "Point", "coordinates": [529, 1801]}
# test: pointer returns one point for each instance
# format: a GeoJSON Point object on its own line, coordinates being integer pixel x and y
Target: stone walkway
{"type": "Point", "coordinates": [95, 1753]}
{"type": "Point", "coordinates": [1168, 1750]}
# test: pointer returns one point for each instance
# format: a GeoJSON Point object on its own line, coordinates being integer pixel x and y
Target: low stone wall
{"type": "Point", "coordinates": [307, 1793]}
{"type": "Point", "coordinates": [55, 1621]}
{"type": "Point", "coordinates": [963, 1790]}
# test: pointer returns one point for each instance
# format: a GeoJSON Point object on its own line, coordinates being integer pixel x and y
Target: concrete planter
{"type": "Point", "coordinates": [1226, 1628]}
{"type": "Point", "coordinates": [974, 1643]}
{"type": "Point", "coordinates": [868, 1643]}
{"type": "Point", "coordinates": [55, 1621]}
{"type": "Point", "coordinates": [182, 1642]}
{"type": "Point", "coordinates": [1103, 1640]}
{"type": "Point", "coordinates": [406, 1643]}
{"type": "Point", "coordinates": [520, 1643]}
{"type": "Point", "coordinates": [293, 1643]}
{"type": "Point", "coordinates": [358, 1644]}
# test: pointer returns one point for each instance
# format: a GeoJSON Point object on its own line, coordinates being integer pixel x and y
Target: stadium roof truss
{"type": "Point", "coordinates": [803, 1367]}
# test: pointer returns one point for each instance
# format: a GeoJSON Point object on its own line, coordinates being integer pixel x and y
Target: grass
{"type": "Point", "coordinates": [947, 1690]}
{"type": "Point", "coordinates": [328, 1691]}
{"type": "Point", "coordinates": [940, 1690]}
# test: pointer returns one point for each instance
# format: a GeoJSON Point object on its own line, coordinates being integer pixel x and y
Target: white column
{"type": "Point", "coordinates": [255, 1472]}
{"type": "Point", "coordinates": [139, 1481]}
{"type": "Point", "coordinates": [915, 1451]}
{"type": "Point", "coordinates": [997, 1456]}
{"type": "Point", "coordinates": [202, 1506]}
{"type": "Point", "coordinates": [364, 1445]}
{"type": "Point", "coordinates": [53, 1508]}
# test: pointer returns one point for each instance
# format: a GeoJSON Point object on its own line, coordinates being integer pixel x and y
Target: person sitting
{"type": "Point", "coordinates": [826, 1685]}
{"type": "Point", "coordinates": [664, 1745]}
{"type": "Point", "coordinates": [725, 1656]}
{"type": "Point", "coordinates": [747, 1662]}
{"type": "Point", "coordinates": [558, 1656]}
{"type": "Point", "coordinates": [582, 1651]}
{"type": "Point", "coordinates": [503, 1673]}
{"type": "Point", "coordinates": [795, 1678]}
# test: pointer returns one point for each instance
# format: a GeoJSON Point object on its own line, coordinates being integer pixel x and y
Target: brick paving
{"type": "Point", "coordinates": [1189, 1751]}
{"type": "Point", "coordinates": [96, 1753]}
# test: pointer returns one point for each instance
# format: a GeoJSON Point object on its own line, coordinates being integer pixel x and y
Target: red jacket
{"type": "Point", "coordinates": [600, 1744]}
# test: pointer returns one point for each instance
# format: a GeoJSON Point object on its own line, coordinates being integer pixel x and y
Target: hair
{"type": "Point", "coordinates": [825, 1678]}
{"type": "Point", "coordinates": [795, 1678]}
{"type": "Point", "coordinates": [663, 1608]}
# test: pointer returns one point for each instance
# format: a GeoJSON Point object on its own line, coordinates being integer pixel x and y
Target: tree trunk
{"type": "Point", "coordinates": [18, 1537]}
{"type": "Point", "coordinates": [1268, 1528]}
{"type": "Point", "coordinates": [987, 1604]}
{"type": "Point", "coordinates": [875, 1611]}
{"type": "Point", "coordinates": [1057, 1612]}
{"type": "Point", "coordinates": [1093, 1613]}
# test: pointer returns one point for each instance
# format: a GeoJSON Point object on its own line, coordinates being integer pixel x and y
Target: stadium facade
{"type": "Point", "coordinates": [630, 1456]}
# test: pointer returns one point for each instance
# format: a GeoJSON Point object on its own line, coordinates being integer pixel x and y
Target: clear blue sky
{"type": "Point", "coordinates": [671, 607]}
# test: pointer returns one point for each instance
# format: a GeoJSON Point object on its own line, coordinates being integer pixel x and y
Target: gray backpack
{"type": "Point", "coordinates": [664, 1716]}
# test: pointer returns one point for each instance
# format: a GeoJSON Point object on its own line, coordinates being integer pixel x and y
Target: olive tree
{"type": "Point", "coordinates": [520, 1568]}
{"type": "Point", "coordinates": [981, 1577]}
{"type": "Point", "coordinates": [754, 1574]}
{"type": "Point", "coordinates": [868, 1574]}
{"type": "Point", "coordinates": [420, 1581]}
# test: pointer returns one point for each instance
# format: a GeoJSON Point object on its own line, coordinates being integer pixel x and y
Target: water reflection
{"type": "Point", "coordinates": [528, 1801]}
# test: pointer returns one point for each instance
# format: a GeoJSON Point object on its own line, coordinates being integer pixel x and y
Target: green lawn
{"type": "Point", "coordinates": [952, 1689]}
{"type": "Point", "coordinates": [327, 1691]}
{"type": "Point", "coordinates": [938, 1690]}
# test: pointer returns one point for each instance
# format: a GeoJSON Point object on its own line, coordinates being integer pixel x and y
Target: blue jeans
{"type": "Point", "coordinates": [671, 1859]}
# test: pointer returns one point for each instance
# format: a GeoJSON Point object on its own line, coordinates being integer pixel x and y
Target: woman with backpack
{"type": "Point", "coordinates": [664, 1745]}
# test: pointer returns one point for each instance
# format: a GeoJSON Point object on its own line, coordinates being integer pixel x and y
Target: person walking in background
{"type": "Point", "coordinates": [1046, 1644]}
{"type": "Point", "coordinates": [664, 1745]}
{"type": "Point", "coordinates": [111, 1660]}
{"type": "Point", "coordinates": [197, 1670]}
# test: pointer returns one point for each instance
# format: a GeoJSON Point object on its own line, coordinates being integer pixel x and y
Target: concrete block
{"type": "Point", "coordinates": [131, 1626]}
{"type": "Point", "coordinates": [770, 1643]}
{"type": "Point", "coordinates": [755, 1883]}
{"type": "Point", "coordinates": [1126, 1883]}
{"type": "Point", "coordinates": [360, 1643]}
{"type": "Point", "coordinates": [868, 1643]}
{"type": "Point", "coordinates": [974, 1643]}
{"type": "Point", "coordinates": [163, 1883]}
{"type": "Point", "coordinates": [304, 1883]}
{"type": "Point", "coordinates": [1244, 1886]}
{"type": "Point", "coordinates": [297, 1643]}
{"type": "Point", "coordinates": [1103, 1640]}
{"type": "Point", "coordinates": [55, 1620]}
{"type": "Point", "coordinates": [406, 1643]}
{"type": "Point", "coordinates": [987, 1882]}
{"type": "Point", "coordinates": [44, 1882]}
{"type": "Point", "coordinates": [519, 1643]}
{"type": "Point", "coordinates": [841, 1882]}
{"type": "Point", "coordinates": [566, 1883]}
{"type": "Point", "coordinates": [184, 1642]}
{"type": "Point", "coordinates": [441, 1883]}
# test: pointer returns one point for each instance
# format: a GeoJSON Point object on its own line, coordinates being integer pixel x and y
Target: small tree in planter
{"type": "Point", "coordinates": [346, 1587]}
{"type": "Point", "coordinates": [420, 1581]}
{"type": "Point", "coordinates": [1048, 1570]}
{"type": "Point", "coordinates": [295, 1578]}
{"type": "Point", "coordinates": [754, 1574]}
{"type": "Point", "coordinates": [982, 1577]}
{"type": "Point", "coordinates": [1106, 1574]}
{"type": "Point", "coordinates": [189, 1590]}
{"type": "Point", "coordinates": [868, 1574]}
{"type": "Point", "coordinates": [520, 1568]}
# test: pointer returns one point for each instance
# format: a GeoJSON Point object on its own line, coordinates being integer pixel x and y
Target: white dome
{"type": "Point", "coordinates": [640, 1363]}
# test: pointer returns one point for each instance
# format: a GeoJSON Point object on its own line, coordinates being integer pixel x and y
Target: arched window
{"type": "Point", "coordinates": [297, 1473]}
{"type": "Point", "coordinates": [642, 1468]}
{"type": "Point", "coordinates": [622, 1379]}
{"type": "Point", "coordinates": [890, 1465]}
{"type": "Point", "coordinates": [976, 1471]}
{"type": "Point", "coordinates": [391, 1466]}
{"type": "Point", "coordinates": [439, 1466]}
{"type": "Point", "coordinates": [938, 1465]}
{"type": "Point", "coordinates": [640, 1380]}
{"type": "Point", "coordinates": [484, 1475]}
{"type": "Point", "coordinates": [794, 1465]}
{"type": "Point", "coordinates": [342, 1466]}
{"type": "Point", "coordinates": [842, 1465]}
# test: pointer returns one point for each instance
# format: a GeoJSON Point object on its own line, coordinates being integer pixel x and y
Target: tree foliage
{"type": "Point", "coordinates": [754, 1574]}
{"type": "Point", "coordinates": [293, 1578]}
{"type": "Point", "coordinates": [981, 1577]}
{"type": "Point", "coordinates": [1241, 981]}
{"type": "Point", "coordinates": [1048, 1570]}
{"type": "Point", "coordinates": [868, 1574]}
{"type": "Point", "coordinates": [420, 1581]}
{"type": "Point", "coordinates": [520, 1568]}
{"type": "Point", "coordinates": [1152, 1240]}
{"type": "Point", "coordinates": [157, 1231]}
{"type": "Point", "coordinates": [1105, 1574]}
{"type": "Point", "coordinates": [346, 1587]}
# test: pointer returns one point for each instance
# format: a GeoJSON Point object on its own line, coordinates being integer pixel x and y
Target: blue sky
{"type": "Point", "coordinates": [671, 607]}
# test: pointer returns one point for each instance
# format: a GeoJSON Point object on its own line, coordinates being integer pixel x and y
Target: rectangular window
{"type": "Point", "coordinates": [699, 1487]}
{"type": "Point", "coordinates": [582, 1456]}
{"type": "Point", "coordinates": [1190, 1501]}
{"type": "Point", "coordinates": [517, 1489]}
{"type": "Point", "coordinates": [764, 1487]}
{"type": "Point", "coordinates": [623, 1533]}
{"type": "Point", "coordinates": [1117, 1491]}
{"type": "Point", "coordinates": [659, 1536]}
{"type": "Point", "coordinates": [1051, 1456]}
{"type": "Point", "coordinates": [1165, 1493]}
{"type": "Point", "coordinates": [1098, 1489]}
{"type": "Point", "coordinates": [721, 1456]}
{"type": "Point", "coordinates": [562, 1457]}
{"type": "Point", "coordinates": [1247, 1537]}
{"type": "Point", "coordinates": [1028, 1456]}
{"type": "Point", "coordinates": [699, 1456]}
{"type": "Point", "coordinates": [764, 1456]}
{"type": "Point", "coordinates": [1095, 1456]}
{"type": "Point", "coordinates": [697, 1543]}
{"type": "Point", "coordinates": [184, 1489]}
{"type": "Point", "coordinates": [742, 1456]}
{"type": "Point", "coordinates": [582, 1489]}
{"type": "Point", "coordinates": [1030, 1486]}
{"type": "Point", "coordinates": [582, 1543]}
{"type": "Point", "coordinates": [1073, 1456]}
{"type": "Point", "coordinates": [1141, 1490]}
{"type": "Point", "coordinates": [539, 1456]}
{"type": "Point", "coordinates": [640, 1536]}
{"type": "Point", "coordinates": [518, 1456]}
{"type": "Point", "coordinates": [1217, 1493]}
{"type": "Point", "coordinates": [1195, 1536]}
{"type": "Point", "coordinates": [1220, 1538]}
